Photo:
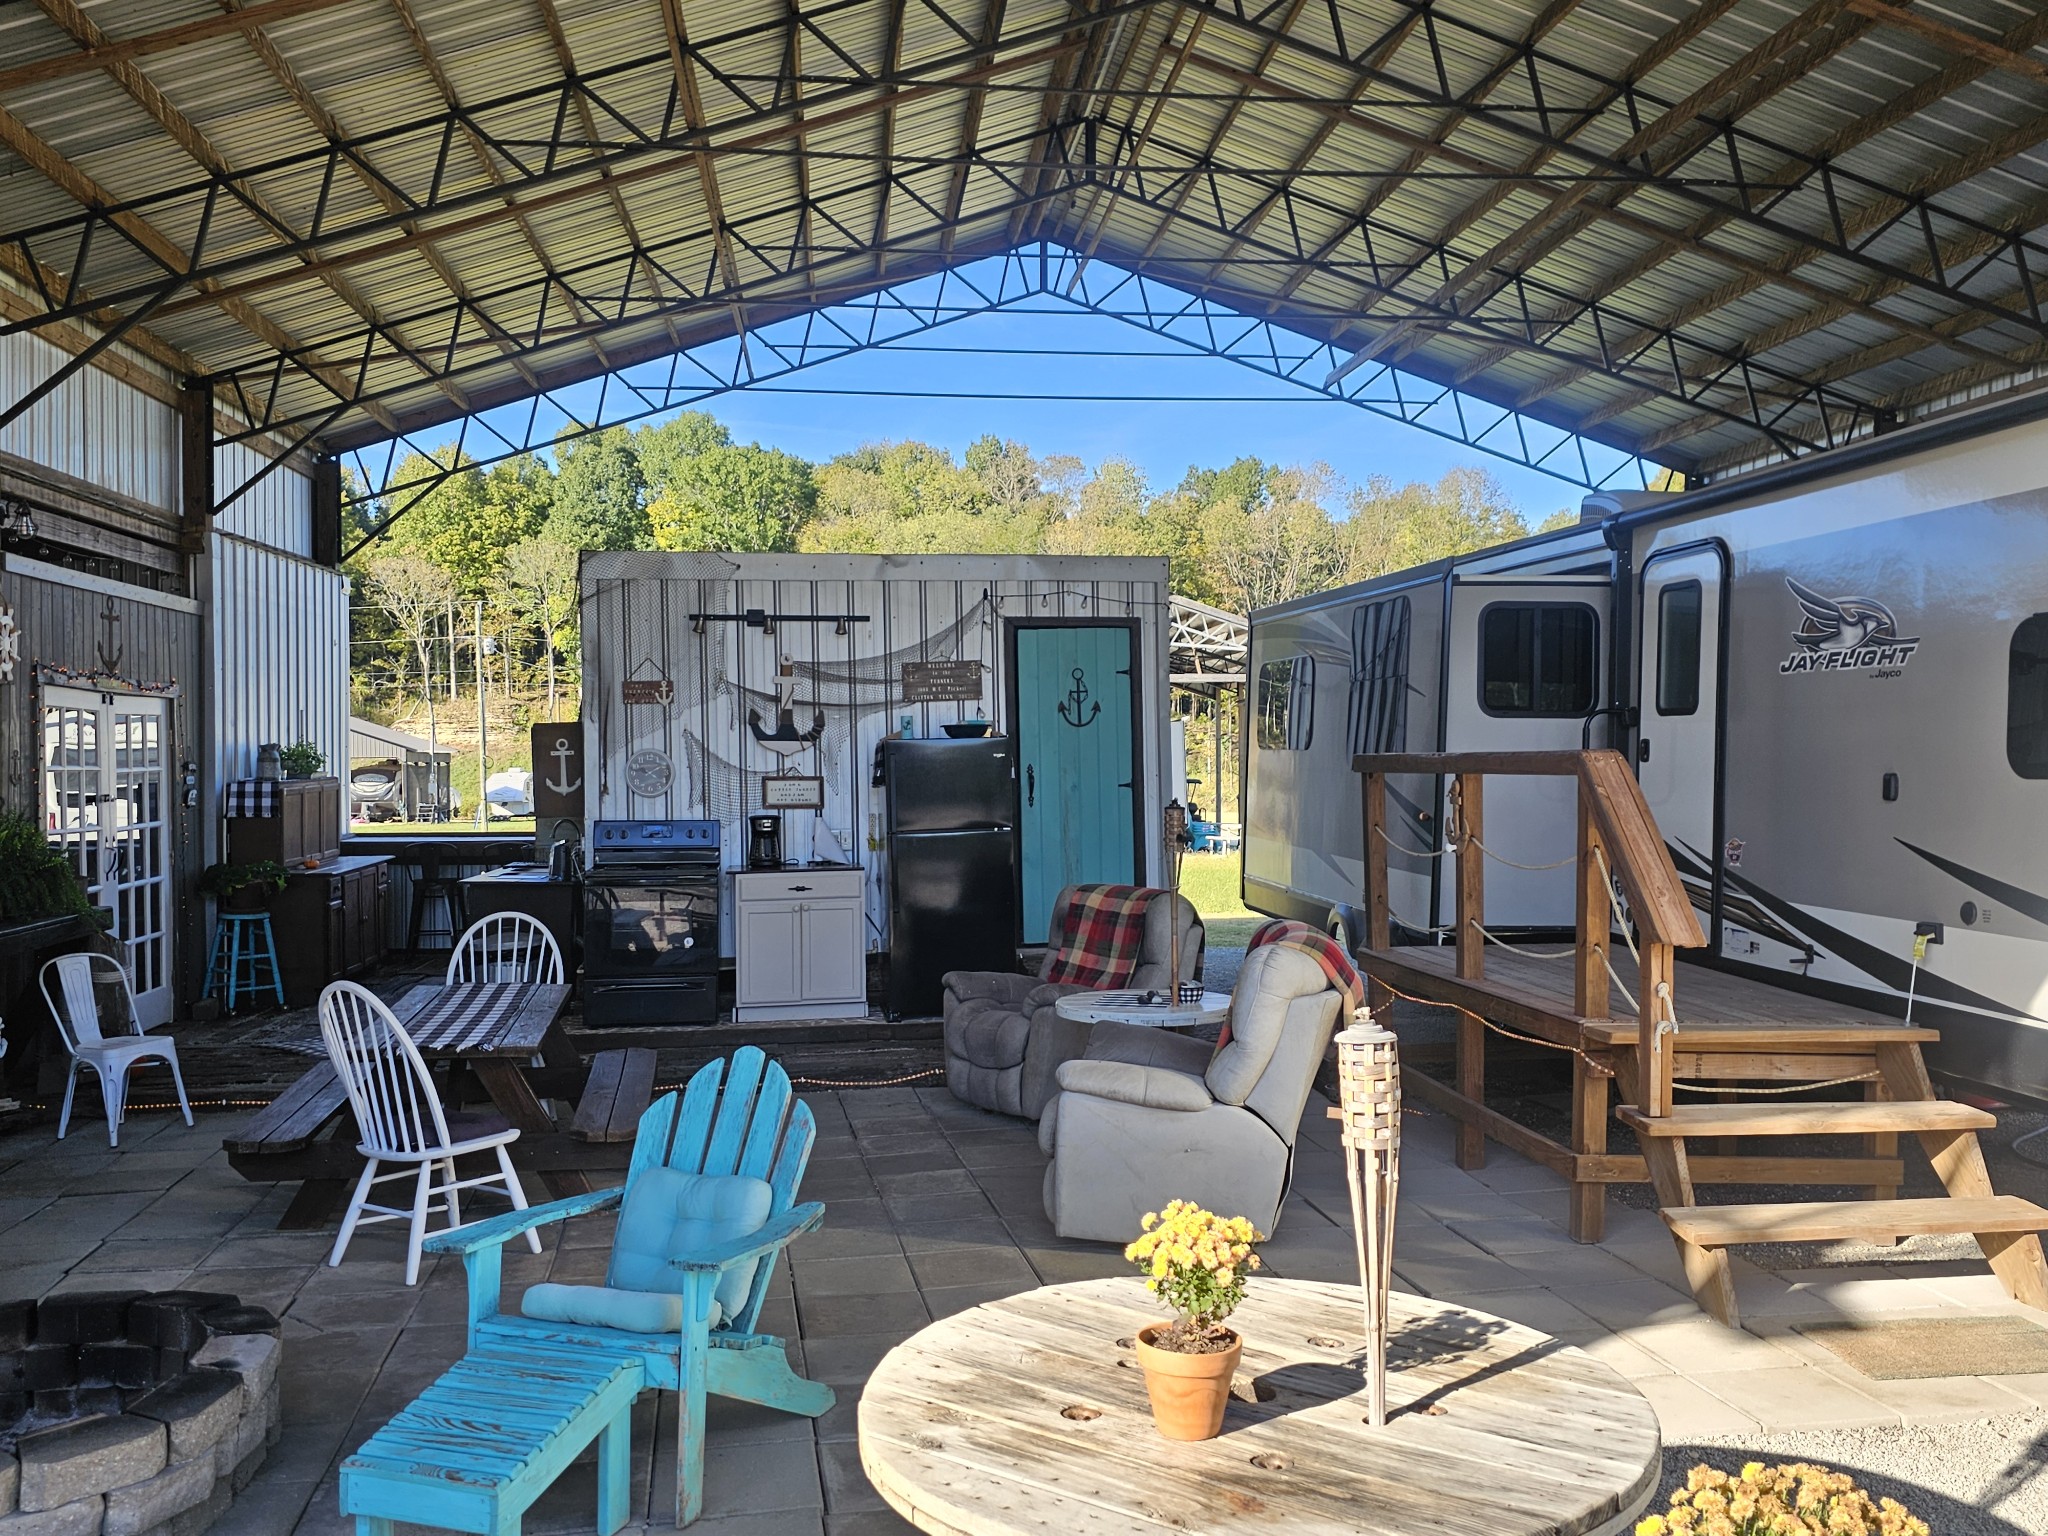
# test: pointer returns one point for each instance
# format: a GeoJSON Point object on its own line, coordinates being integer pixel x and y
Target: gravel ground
{"type": "Point", "coordinates": [1987, 1478]}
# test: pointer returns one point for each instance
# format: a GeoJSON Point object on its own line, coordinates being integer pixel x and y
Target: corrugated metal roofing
{"type": "Point", "coordinates": [1705, 231]}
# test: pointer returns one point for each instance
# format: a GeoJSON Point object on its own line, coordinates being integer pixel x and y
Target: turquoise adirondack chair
{"type": "Point", "coordinates": [693, 1328]}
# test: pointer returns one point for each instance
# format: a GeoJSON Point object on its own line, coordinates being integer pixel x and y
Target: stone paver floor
{"type": "Point", "coordinates": [932, 1206]}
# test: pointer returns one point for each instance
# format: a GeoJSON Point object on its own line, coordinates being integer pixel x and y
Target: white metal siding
{"type": "Point", "coordinates": [94, 427]}
{"type": "Point", "coordinates": [279, 655]}
{"type": "Point", "coordinates": [277, 510]}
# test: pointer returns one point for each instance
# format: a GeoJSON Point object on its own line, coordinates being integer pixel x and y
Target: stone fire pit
{"type": "Point", "coordinates": [124, 1413]}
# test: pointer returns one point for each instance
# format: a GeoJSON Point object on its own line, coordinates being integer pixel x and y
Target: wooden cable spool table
{"type": "Point", "coordinates": [1029, 1415]}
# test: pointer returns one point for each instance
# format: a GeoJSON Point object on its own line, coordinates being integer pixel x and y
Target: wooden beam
{"type": "Point", "coordinates": [1892, 13]}
{"type": "Point", "coordinates": [1471, 940]}
{"type": "Point", "coordinates": [1595, 923]}
{"type": "Point", "coordinates": [184, 35]}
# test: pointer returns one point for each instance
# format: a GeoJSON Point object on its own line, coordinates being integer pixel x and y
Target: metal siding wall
{"type": "Point", "coordinates": [639, 628]}
{"type": "Point", "coordinates": [280, 656]}
{"type": "Point", "coordinates": [94, 427]}
{"type": "Point", "coordinates": [277, 511]}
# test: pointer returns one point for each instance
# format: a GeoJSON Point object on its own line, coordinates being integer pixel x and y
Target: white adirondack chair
{"type": "Point", "coordinates": [506, 946]}
{"type": "Point", "coordinates": [399, 1120]}
{"type": "Point", "coordinates": [76, 1008]}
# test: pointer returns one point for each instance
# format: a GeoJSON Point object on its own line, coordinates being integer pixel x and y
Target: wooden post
{"type": "Point", "coordinates": [1471, 1151]}
{"type": "Point", "coordinates": [1595, 921]}
{"type": "Point", "coordinates": [1882, 1144]}
{"type": "Point", "coordinates": [1379, 916]}
{"type": "Point", "coordinates": [1471, 881]}
{"type": "Point", "coordinates": [1587, 1214]}
{"type": "Point", "coordinates": [1653, 1048]}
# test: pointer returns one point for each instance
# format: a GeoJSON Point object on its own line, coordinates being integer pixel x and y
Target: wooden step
{"type": "Point", "coordinates": [1808, 1221]}
{"type": "Point", "coordinates": [1772, 1037]}
{"type": "Point", "coordinates": [1806, 1119]}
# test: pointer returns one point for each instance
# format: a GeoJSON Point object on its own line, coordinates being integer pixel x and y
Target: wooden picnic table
{"type": "Point", "coordinates": [510, 1035]}
{"type": "Point", "coordinates": [1029, 1414]}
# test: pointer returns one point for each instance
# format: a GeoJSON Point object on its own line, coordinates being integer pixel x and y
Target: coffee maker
{"type": "Point", "coordinates": [764, 840]}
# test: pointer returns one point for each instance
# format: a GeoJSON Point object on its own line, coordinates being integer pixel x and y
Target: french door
{"type": "Point", "coordinates": [106, 803]}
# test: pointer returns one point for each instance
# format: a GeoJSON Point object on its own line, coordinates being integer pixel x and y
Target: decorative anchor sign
{"type": "Point", "coordinates": [1084, 712]}
{"type": "Point", "coordinates": [557, 770]}
{"type": "Point", "coordinates": [785, 741]}
{"type": "Point", "coordinates": [110, 640]}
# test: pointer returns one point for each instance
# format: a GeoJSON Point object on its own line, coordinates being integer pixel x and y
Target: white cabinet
{"type": "Point", "coordinates": [800, 940]}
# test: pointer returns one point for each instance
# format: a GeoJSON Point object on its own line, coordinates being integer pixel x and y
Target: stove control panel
{"type": "Point", "coordinates": [650, 836]}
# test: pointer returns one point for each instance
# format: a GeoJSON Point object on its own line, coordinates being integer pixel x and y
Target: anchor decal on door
{"type": "Point", "coordinates": [1084, 712]}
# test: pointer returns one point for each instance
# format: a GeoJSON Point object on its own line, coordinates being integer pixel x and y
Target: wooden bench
{"type": "Point", "coordinates": [289, 1126]}
{"type": "Point", "coordinates": [473, 1451]}
{"type": "Point", "coordinates": [615, 1096]}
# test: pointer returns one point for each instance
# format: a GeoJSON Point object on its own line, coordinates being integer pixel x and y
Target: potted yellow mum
{"type": "Point", "coordinates": [1791, 1499]}
{"type": "Point", "coordinates": [1197, 1263]}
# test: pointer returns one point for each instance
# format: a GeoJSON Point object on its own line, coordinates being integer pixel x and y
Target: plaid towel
{"type": "Point", "coordinates": [1322, 949]}
{"type": "Point", "coordinates": [465, 1016]}
{"type": "Point", "coordinates": [252, 797]}
{"type": "Point", "coordinates": [1103, 931]}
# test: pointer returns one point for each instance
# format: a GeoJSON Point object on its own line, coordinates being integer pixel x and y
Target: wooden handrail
{"type": "Point", "coordinates": [1617, 838]}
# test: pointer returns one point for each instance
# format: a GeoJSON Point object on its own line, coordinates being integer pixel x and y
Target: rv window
{"type": "Point", "coordinates": [1379, 676]}
{"type": "Point", "coordinates": [1537, 659]}
{"type": "Point", "coordinates": [1287, 704]}
{"type": "Point", "coordinates": [2026, 699]}
{"type": "Point", "coordinates": [1678, 649]}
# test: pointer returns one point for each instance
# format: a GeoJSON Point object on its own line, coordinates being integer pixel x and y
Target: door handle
{"type": "Point", "coordinates": [1643, 750]}
{"type": "Point", "coordinates": [1030, 785]}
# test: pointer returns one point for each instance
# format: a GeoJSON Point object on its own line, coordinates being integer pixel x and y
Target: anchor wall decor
{"type": "Point", "coordinates": [110, 622]}
{"type": "Point", "coordinates": [1084, 711]}
{"type": "Point", "coordinates": [785, 741]}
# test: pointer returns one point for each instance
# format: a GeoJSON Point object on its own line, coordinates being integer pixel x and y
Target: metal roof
{"type": "Point", "coordinates": [1709, 232]}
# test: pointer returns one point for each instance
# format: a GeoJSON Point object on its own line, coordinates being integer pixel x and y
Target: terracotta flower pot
{"type": "Point", "coordinates": [1188, 1392]}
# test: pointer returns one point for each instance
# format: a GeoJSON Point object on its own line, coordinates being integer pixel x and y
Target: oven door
{"type": "Point", "coordinates": [641, 924]}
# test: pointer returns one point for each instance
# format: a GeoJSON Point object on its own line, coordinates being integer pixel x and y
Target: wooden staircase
{"type": "Point", "coordinates": [2005, 1226]}
{"type": "Point", "coordinates": [1762, 1041]}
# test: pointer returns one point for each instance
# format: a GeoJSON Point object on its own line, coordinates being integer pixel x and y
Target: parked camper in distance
{"type": "Point", "coordinates": [1831, 677]}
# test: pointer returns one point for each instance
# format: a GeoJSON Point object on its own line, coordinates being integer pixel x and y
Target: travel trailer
{"type": "Point", "coordinates": [1831, 675]}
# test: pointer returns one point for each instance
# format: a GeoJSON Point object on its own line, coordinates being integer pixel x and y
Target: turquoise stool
{"type": "Point", "coordinates": [244, 958]}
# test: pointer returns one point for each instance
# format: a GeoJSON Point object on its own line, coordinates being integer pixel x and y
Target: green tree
{"type": "Point", "coordinates": [1391, 528]}
{"type": "Point", "coordinates": [663, 449]}
{"type": "Point", "coordinates": [736, 498]}
{"type": "Point", "coordinates": [912, 497]}
{"type": "Point", "coordinates": [600, 494]}
{"type": "Point", "coordinates": [539, 587]}
{"type": "Point", "coordinates": [1277, 545]}
{"type": "Point", "coordinates": [416, 593]}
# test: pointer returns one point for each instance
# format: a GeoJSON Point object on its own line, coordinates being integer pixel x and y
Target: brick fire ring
{"type": "Point", "coordinates": [130, 1413]}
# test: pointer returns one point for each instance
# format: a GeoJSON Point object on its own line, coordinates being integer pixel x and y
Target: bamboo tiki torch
{"type": "Point", "coordinates": [1176, 845]}
{"type": "Point", "coordinates": [1369, 1109]}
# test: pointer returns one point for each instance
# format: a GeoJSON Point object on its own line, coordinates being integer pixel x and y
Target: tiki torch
{"type": "Point", "coordinates": [1369, 1110]}
{"type": "Point", "coordinates": [1176, 845]}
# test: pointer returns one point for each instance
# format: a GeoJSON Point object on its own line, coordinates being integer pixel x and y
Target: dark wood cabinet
{"type": "Point", "coordinates": [307, 826]}
{"type": "Point", "coordinates": [330, 924]}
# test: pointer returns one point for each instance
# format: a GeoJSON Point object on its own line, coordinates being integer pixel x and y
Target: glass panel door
{"type": "Point", "coordinates": [106, 799]}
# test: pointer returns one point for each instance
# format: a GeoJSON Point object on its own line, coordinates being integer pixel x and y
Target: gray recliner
{"type": "Point", "coordinates": [1004, 1039]}
{"type": "Point", "coordinates": [1146, 1116]}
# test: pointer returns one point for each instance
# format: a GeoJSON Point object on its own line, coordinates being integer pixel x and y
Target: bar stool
{"type": "Point", "coordinates": [428, 859]}
{"type": "Point", "coordinates": [244, 958]}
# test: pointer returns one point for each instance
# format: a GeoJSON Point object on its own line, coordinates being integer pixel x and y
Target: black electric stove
{"type": "Point", "coordinates": [650, 924]}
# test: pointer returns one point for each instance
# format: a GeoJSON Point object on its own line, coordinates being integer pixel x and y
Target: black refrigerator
{"type": "Point", "coordinates": [950, 816]}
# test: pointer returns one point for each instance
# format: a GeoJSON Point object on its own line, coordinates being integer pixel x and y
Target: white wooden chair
{"type": "Point", "coordinates": [76, 1007]}
{"type": "Point", "coordinates": [506, 946]}
{"type": "Point", "coordinates": [399, 1120]}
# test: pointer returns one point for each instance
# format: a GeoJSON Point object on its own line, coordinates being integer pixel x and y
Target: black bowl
{"type": "Point", "coordinates": [967, 730]}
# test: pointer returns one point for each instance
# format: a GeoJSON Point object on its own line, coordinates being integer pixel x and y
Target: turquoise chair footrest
{"type": "Point", "coordinates": [478, 1447]}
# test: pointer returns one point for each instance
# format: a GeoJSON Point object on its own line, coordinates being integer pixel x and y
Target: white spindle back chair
{"type": "Point", "coordinates": [506, 946]}
{"type": "Point", "coordinates": [75, 1005]}
{"type": "Point", "coordinates": [399, 1120]}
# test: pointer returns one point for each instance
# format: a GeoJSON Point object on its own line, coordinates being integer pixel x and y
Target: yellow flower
{"type": "Point", "coordinates": [1653, 1525]}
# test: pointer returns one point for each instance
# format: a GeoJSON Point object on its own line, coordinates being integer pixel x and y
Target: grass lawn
{"type": "Point", "coordinates": [1209, 880]}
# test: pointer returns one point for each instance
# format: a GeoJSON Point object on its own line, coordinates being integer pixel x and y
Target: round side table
{"type": "Point", "coordinates": [1125, 1008]}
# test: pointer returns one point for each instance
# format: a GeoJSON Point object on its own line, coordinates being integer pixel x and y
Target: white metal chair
{"type": "Point", "coordinates": [76, 1007]}
{"type": "Point", "coordinates": [506, 946]}
{"type": "Point", "coordinates": [399, 1120]}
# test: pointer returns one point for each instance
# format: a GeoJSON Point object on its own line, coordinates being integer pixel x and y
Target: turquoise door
{"type": "Point", "coordinates": [1074, 718]}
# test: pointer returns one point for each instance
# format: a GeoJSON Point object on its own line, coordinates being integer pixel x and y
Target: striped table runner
{"type": "Point", "coordinates": [466, 1017]}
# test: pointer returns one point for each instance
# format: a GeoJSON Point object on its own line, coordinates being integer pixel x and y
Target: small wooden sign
{"type": "Point", "coordinates": [648, 690]}
{"type": "Point", "coordinates": [792, 792]}
{"type": "Point", "coordinates": [934, 682]}
{"type": "Point", "coordinates": [558, 770]}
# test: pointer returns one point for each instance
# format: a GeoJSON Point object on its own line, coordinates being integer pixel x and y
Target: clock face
{"type": "Point", "coordinates": [649, 772]}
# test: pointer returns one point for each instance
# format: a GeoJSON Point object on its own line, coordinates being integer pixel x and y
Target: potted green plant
{"type": "Point", "coordinates": [243, 887]}
{"type": "Point", "coordinates": [37, 881]}
{"type": "Point", "coordinates": [302, 760]}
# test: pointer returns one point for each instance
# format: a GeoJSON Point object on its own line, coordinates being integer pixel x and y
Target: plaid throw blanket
{"type": "Point", "coordinates": [1322, 949]}
{"type": "Point", "coordinates": [1101, 935]}
{"type": "Point", "coordinates": [252, 797]}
